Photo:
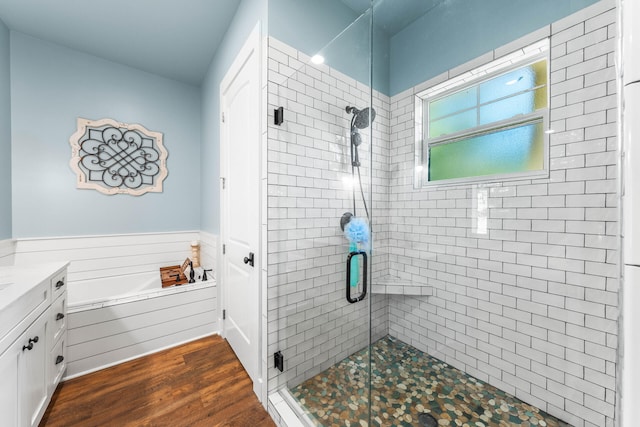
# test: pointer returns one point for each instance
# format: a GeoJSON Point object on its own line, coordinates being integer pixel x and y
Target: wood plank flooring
{"type": "Point", "coordinates": [201, 383]}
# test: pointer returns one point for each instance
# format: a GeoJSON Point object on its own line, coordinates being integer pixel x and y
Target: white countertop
{"type": "Point", "coordinates": [15, 281]}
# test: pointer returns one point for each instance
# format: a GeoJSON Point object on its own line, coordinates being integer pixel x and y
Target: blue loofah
{"type": "Point", "coordinates": [357, 231]}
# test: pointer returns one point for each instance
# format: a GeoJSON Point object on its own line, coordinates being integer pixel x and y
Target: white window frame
{"type": "Point", "coordinates": [523, 57]}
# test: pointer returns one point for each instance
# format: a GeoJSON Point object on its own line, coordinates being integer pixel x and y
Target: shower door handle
{"type": "Point", "coordinates": [364, 276]}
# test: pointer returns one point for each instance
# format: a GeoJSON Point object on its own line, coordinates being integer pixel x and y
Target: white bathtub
{"type": "Point", "coordinates": [116, 290]}
{"type": "Point", "coordinates": [112, 320]}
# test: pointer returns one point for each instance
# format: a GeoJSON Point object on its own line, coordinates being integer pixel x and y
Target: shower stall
{"type": "Point", "coordinates": [442, 215]}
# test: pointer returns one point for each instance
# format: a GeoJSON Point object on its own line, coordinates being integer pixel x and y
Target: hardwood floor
{"type": "Point", "coordinates": [201, 383]}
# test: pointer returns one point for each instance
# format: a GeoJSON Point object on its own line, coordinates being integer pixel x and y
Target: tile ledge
{"type": "Point", "coordinates": [391, 285]}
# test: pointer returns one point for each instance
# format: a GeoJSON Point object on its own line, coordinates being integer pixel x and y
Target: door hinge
{"type": "Point", "coordinates": [224, 314]}
{"type": "Point", "coordinates": [224, 249]}
{"type": "Point", "coordinates": [223, 118]}
{"type": "Point", "coordinates": [278, 116]}
{"type": "Point", "coordinates": [224, 182]}
{"type": "Point", "coordinates": [278, 361]}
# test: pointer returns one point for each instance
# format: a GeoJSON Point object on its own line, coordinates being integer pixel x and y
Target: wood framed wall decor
{"type": "Point", "coordinates": [118, 158]}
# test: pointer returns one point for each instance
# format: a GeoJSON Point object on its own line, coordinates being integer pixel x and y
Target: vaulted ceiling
{"type": "Point", "coordinates": [172, 38]}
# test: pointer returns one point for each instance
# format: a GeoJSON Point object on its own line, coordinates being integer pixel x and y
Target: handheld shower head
{"type": "Point", "coordinates": [360, 118]}
{"type": "Point", "coordinates": [356, 139]}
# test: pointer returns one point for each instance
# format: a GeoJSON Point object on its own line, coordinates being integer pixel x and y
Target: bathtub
{"type": "Point", "coordinates": [116, 319]}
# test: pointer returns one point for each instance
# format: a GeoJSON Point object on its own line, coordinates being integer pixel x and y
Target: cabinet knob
{"type": "Point", "coordinates": [59, 360]}
{"type": "Point", "coordinates": [29, 346]}
{"type": "Point", "coordinates": [59, 284]}
{"type": "Point", "coordinates": [59, 316]}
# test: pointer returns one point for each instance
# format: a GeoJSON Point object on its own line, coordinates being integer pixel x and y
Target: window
{"type": "Point", "coordinates": [490, 124]}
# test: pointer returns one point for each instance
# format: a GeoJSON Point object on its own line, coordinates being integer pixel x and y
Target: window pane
{"type": "Point", "coordinates": [514, 150]}
{"type": "Point", "coordinates": [524, 103]}
{"type": "Point", "coordinates": [450, 124]}
{"type": "Point", "coordinates": [508, 108]}
{"type": "Point", "coordinates": [453, 103]}
{"type": "Point", "coordinates": [514, 81]}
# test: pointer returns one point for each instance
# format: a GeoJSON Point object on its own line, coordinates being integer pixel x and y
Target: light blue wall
{"type": "Point", "coordinates": [312, 26]}
{"type": "Point", "coordinates": [50, 87]}
{"type": "Point", "coordinates": [457, 31]}
{"type": "Point", "coordinates": [452, 33]}
{"type": "Point", "coordinates": [308, 25]}
{"type": "Point", "coordinates": [248, 14]}
{"type": "Point", "coordinates": [5, 135]}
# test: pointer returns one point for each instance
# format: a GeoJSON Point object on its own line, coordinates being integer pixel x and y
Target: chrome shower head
{"type": "Point", "coordinates": [360, 118]}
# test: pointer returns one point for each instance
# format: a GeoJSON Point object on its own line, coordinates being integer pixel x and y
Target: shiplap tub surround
{"type": "Point", "coordinates": [120, 328]}
{"type": "Point", "coordinates": [96, 257]}
{"type": "Point", "coordinates": [114, 328]}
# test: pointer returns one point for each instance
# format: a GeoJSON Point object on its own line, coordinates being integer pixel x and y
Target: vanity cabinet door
{"type": "Point", "coordinates": [32, 372]}
{"type": "Point", "coordinates": [23, 379]}
{"type": "Point", "coordinates": [9, 384]}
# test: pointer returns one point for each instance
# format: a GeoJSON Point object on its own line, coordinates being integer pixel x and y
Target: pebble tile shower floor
{"type": "Point", "coordinates": [405, 383]}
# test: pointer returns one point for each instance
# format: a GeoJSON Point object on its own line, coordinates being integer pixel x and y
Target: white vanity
{"type": "Point", "coordinates": [32, 340]}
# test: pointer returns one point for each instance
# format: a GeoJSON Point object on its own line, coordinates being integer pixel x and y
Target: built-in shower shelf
{"type": "Point", "coordinates": [397, 286]}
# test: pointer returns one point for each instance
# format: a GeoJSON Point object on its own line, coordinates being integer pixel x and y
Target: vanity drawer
{"type": "Point", "coordinates": [58, 284]}
{"type": "Point", "coordinates": [15, 318]}
{"type": "Point", "coordinates": [57, 364]}
{"type": "Point", "coordinates": [57, 319]}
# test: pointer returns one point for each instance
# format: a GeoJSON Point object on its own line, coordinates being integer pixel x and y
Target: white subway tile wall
{"type": "Point", "coordinates": [530, 306]}
{"type": "Point", "coordinates": [309, 185]}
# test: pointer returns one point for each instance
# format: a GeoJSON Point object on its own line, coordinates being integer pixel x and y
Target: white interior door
{"type": "Point", "coordinates": [240, 204]}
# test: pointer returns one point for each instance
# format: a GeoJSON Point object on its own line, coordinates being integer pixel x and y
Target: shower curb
{"type": "Point", "coordinates": [280, 407]}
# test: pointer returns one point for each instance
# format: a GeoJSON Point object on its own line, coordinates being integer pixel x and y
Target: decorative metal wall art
{"type": "Point", "coordinates": [118, 158]}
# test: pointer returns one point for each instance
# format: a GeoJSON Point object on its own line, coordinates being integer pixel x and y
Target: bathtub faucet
{"type": "Point", "coordinates": [191, 273]}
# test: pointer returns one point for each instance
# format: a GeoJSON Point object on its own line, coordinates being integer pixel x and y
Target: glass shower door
{"type": "Point", "coordinates": [320, 213]}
